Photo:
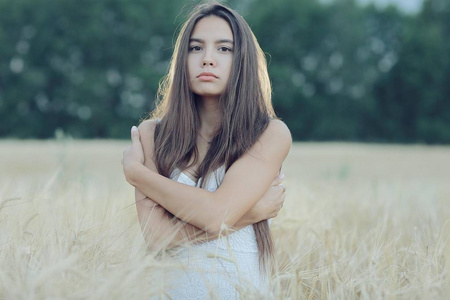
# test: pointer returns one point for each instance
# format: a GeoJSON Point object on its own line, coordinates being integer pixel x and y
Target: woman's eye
{"type": "Point", "coordinates": [225, 49]}
{"type": "Point", "coordinates": [195, 48]}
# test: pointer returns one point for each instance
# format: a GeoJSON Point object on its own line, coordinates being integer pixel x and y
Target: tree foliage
{"type": "Point", "coordinates": [339, 71]}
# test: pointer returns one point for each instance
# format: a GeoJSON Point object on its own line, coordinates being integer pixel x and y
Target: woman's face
{"type": "Point", "coordinates": [210, 56]}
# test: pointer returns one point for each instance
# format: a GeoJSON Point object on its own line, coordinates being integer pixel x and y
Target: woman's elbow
{"type": "Point", "coordinates": [212, 230]}
{"type": "Point", "coordinates": [218, 228]}
{"type": "Point", "coordinates": [221, 223]}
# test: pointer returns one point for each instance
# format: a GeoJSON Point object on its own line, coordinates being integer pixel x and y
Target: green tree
{"type": "Point", "coordinates": [339, 71]}
{"type": "Point", "coordinates": [89, 67]}
{"type": "Point", "coordinates": [413, 99]}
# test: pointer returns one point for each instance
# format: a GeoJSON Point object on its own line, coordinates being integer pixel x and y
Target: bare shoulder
{"type": "Point", "coordinates": [279, 129]}
{"type": "Point", "coordinates": [274, 143]}
{"type": "Point", "coordinates": [147, 127]}
{"type": "Point", "coordinates": [147, 133]}
{"type": "Point", "coordinates": [277, 133]}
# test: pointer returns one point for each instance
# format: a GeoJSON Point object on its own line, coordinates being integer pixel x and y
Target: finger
{"type": "Point", "coordinates": [276, 181]}
{"type": "Point", "coordinates": [135, 135]}
{"type": "Point", "coordinates": [280, 201]}
{"type": "Point", "coordinates": [283, 187]}
{"type": "Point", "coordinates": [279, 179]}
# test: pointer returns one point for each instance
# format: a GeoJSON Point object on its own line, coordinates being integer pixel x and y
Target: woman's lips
{"type": "Point", "coordinates": [207, 76]}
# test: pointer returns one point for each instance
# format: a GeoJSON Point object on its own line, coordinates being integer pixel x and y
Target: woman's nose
{"type": "Point", "coordinates": [208, 61]}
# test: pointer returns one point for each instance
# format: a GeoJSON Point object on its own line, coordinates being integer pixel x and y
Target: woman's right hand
{"type": "Point", "coordinates": [270, 204]}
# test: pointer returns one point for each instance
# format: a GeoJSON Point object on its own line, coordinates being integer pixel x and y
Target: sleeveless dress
{"type": "Point", "coordinates": [226, 268]}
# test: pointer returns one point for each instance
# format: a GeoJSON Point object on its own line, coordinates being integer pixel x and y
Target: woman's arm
{"type": "Point", "coordinates": [161, 230]}
{"type": "Point", "coordinates": [244, 183]}
{"type": "Point", "coordinates": [164, 231]}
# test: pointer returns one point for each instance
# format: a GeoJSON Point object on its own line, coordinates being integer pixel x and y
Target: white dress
{"type": "Point", "coordinates": [226, 268]}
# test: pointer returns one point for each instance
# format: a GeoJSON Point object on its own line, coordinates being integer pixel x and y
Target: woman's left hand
{"type": "Point", "coordinates": [133, 154]}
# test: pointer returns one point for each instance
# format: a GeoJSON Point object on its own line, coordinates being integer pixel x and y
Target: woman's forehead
{"type": "Point", "coordinates": [212, 28]}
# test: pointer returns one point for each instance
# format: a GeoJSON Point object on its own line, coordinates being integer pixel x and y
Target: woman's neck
{"type": "Point", "coordinates": [210, 116]}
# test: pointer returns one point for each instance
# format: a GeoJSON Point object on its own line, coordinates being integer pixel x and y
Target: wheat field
{"type": "Point", "coordinates": [359, 222]}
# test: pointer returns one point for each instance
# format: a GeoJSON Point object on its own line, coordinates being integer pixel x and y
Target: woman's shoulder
{"type": "Point", "coordinates": [146, 134]}
{"type": "Point", "coordinates": [275, 140]}
{"type": "Point", "coordinates": [278, 126]}
{"type": "Point", "coordinates": [147, 129]}
{"type": "Point", "coordinates": [148, 125]}
{"type": "Point", "coordinates": [278, 132]}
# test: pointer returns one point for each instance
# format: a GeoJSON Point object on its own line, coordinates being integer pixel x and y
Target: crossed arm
{"type": "Point", "coordinates": [163, 231]}
{"type": "Point", "coordinates": [245, 196]}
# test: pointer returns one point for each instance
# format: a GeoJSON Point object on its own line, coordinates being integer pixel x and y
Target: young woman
{"type": "Point", "coordinates": [206, 167]}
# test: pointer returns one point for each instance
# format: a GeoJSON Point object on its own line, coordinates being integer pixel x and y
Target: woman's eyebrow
{"type": "Point", "coordinates": [221, 41]}
{"type": "Point", "coordinates": [224, 41]}
{"type": "Point", "coordinates": [196, 40]}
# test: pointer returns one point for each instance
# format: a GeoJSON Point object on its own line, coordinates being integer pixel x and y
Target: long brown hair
{"type": "Point", "coordinates": [245, 104]}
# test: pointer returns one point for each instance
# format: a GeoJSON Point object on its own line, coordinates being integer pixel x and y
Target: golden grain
{"type": "Point", "coordinates": [360, 222]}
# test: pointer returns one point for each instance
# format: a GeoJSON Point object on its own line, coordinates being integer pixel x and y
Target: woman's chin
{"type": "Point", "coordinates": [209, 93]}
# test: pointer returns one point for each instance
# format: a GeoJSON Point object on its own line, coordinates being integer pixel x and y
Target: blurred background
{"type": "Point", "coordinates": [342, 70]}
